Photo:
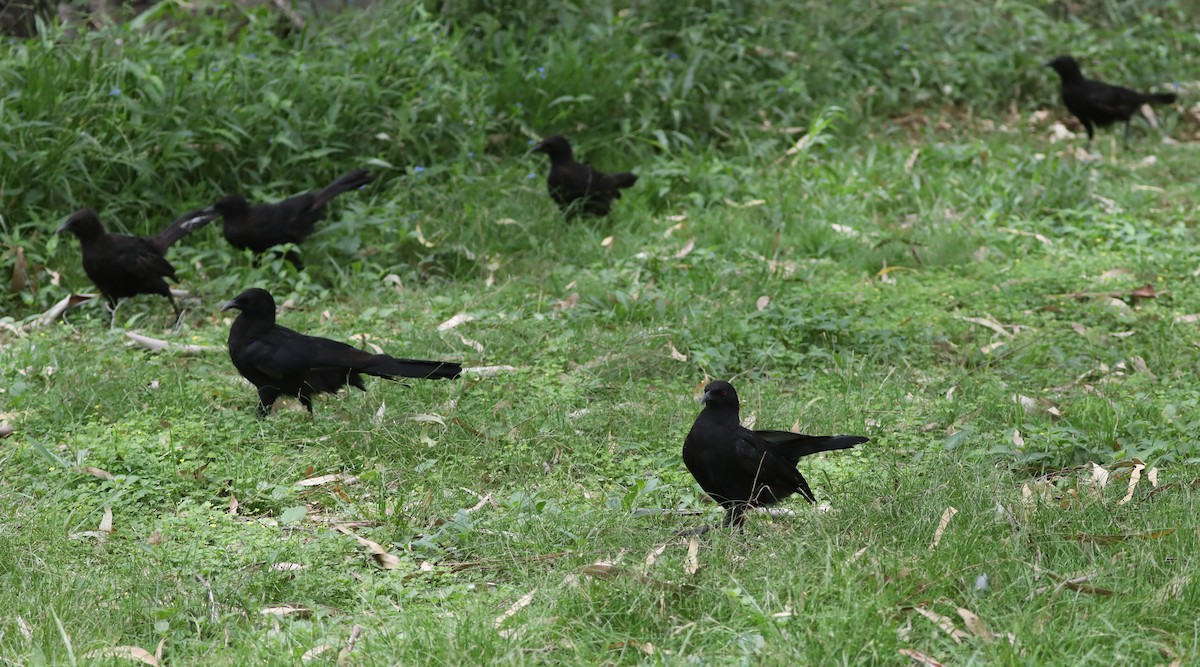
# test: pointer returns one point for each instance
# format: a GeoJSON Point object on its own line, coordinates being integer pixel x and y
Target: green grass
{"type": "Point", "coordinates": [975, 215]}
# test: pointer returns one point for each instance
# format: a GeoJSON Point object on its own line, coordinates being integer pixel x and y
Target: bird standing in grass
{"type": "Point", "coordinates": [739, 468]}
{"type": "Point", "coordinates": [282, 362]}
{"type": "Point", "coordinates": [1098, 104]}
{"type": "Point", "coordinates": [123, 266]}
{"type": "Point", "coordinates": [576, 187]}
{"type": "Point", "coordinates": [262, 226]}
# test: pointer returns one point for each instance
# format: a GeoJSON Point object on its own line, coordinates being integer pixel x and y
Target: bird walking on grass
{"type": "Point", "coordinates": [578, 188]}
{"type": "Point", "coordinates": [263, 226]}
{"type": "Point", "coordinates": [282, 362]}
{"type": "Point", "coordinates": [740, 468]}
{"type": "Point", "coordinates": [122, 266]}
{"type": "Point", "coordinates": [1098, 104]}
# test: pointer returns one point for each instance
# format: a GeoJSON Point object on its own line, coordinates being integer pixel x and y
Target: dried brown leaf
{"type": "Point", "coordinates": [686, 249]}
{"type": "Point", "coordinates": [1134, 476]}
{"type": "Point", "coordinates": [692, 563]}
{"type": "Point", "coordinates": [941, 528]}
{"type": "Point", "coordinates": [944, 623]}
{"type": "Point", "coordinates": [381, 556]}
{"type": "Point", "coordinates": [127, 652]}
{"type": "Point", "coordinates": [461, 318]}
{"type": "Point", "coordinates": [920, 658]}
{"type": "Point", "coordinates": [517, 606]}
{"type": "Point", "coordinates": [974, 624]}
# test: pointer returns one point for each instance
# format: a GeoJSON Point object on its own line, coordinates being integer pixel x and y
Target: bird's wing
{"type": "Point", "coordinates": [181, 227]}
{"type": "Point", "coordinates": [759, 461]}
{"type": "Point", "coordinates": [139, 257]}
{"type": "Point", "coordinates": [331, 354]}
{"type": "Point", "coordinates": [279, 353]}
{"type": "Point", "coordinates": [1113, 100]}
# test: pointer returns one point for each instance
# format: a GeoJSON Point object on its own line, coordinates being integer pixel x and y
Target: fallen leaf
{"type": "Point", "coordinates": [676, 354]}
{"type": "Point", "coordinates": [94, 472]}
{"type": "Point", "coordinates": [488, 371]}
{"type": "Point", "coordinates": [461, 318]}
{"type": "Point", "coordinates": [128, 652]}
{"type": "Point", "coordinates": [313, 652]}
{"type": "Point", "coordinates": [920, 658]}
{"type": "Point", "coordinates": [941, 528]}
{"type": "Point", "coordinates": [644, 647]}
{"type": "Point", "coordinates": [106, 522]}
{"type": "Point", "coordinates": [1099, 476]}
{"type": "Point", "coordinates": [654, 554]}
{"type": "Point", "coordinates": [1134, 476]}
{"type": "Point", "coordinates": [607, 242]}
{"type": "Point", "coordinates": [323, 479]}
{"type": "Point", "coordinates": [692, 564]}
{"type": "Point", "coordinates": [155, 538]}
{"type": "Point", "coordinates": [6, 430]}
{"type": "Point", "coordinates": [286, 567]}
{"type": "Point", "coordinates": [67, 302]}
{"type": "Point", "coordinates": [285, 610]}
{"type": "Point", "coordinates": [944, 623]}
{"type": "Point", "coordinates": [762, 302]}
{"type": "Point", "coordinates": [381, 556]}
{"type": "Point", "coordinates": [686, 249]}
{"type": "Point", "coordinates": [343, 658]}
{"type": "Point", "coordinates": [158, 345]}
{"type": "Point", "coordinates": [974, 624]}
{"type": "Point", "coordinates": [517, 606]}
{"type": "Point", "coordinates": [1144, 292]}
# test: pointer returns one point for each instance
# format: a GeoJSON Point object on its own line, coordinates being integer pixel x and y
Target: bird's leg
{"type": "Point", "coordinates": [178, 312]}
{"type": "Point", "coordinates": [111, 305]}
{"type": "Point", "coordinates": [1125, 140]}
{"type": "Point", "coordinates": [306, 401]}
{"type": "Point", "coordinates": [266, 398]}
{"type": "Point", "coordinates": [736, 516]}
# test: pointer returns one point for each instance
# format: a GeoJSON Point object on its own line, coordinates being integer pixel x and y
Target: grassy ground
{"type": "Point", "coordinates": [994, 311]}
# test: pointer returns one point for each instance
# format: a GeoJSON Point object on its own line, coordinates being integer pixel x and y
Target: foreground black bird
{"type": "Point", "coordinates": [739, 468]}
{"type": "Point", "coordinates": [262, 226]}
{"type": "Point", "coordinates": [577, 187]}
{"type": "Point", "coordinates": [282, 362]}
{"type": "Point", "coordinates": [1096, 103]}
{"type": "Point", "coordinates": [123, 266]}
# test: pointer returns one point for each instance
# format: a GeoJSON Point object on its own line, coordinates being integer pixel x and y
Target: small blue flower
{"type": "Point", "coordinates": [215, 67]}
{"type": "Point", "coordinates": [531, 142]}
{"type": "Point", "coordinates": [114, 91]}
{"type": "Point", "coordinates": [779, 89]}
{"type": "Point", "coordinates": [471, 154]}
{"type": "Point", "coordinates": [412, 40]}
{"type": "Point", "coordinates": [419, 169]}
{"type": "Point", "coordinates": [672, 56]}
{"type": "Point", "coordinates": [531, 176]}
{"type": "Point", "coordinates": [542, 72]}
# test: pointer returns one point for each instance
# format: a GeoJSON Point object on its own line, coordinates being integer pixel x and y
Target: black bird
{"type": "Point", "coordinates": [577, 187]}
{"type": "Point", "coordinates": [1096, 103]}
{"type": "Point", "coordinates": [739, 468]}
{"type": "Point", "coordinates": [123, 266]}
{"type": "Point", "coordinates": [262, 226]}
{"type": "Point", "coordinates": [282, 362]}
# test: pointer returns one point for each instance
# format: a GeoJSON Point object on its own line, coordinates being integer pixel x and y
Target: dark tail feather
{"type": "Point", "coordinates": [186, 224]}
{"type": "Point", "coordinates": [392, 368]}
{"type": "Point", "coordinates": [793, 446]}
{"type": "Point", "coordinates": [351, 181]}
{"type": "Point", "coordinates": [624, 180]}
{"type": "Point", "coordinates": [1161, 98]}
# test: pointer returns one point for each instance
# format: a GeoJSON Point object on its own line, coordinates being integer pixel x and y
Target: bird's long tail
{"type": "Point", "coordinates": [1161, 98]}
{"type": "Point", "coordinates": [392, 368]}
{"type": "Point", "coordinates": [184, 225]}
{"type": "Point", "coordinates": [624, 180]}
{"type": "Point", "coordinates": [351, 181]}
{"type": "Point", "coordinates": [793, 446]}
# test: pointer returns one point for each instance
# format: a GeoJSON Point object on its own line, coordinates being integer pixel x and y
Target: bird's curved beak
{"type": "Point", "coordinates": [230, 305]}
{"type": "Point", "coordinates": [706, 397]}
{"type": "Point", "coordinates": [1048, 63]}
{"type": "Point", "coordinates": [537, 149]}
{"type": "Point", "coordinates": [63, 227]}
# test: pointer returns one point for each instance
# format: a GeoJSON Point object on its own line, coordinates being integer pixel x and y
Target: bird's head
{"type": "Point", "coordinates": [555, 146]}
{"type": "Point", "coordinates": [255, 302]}
{"type": "Point", "coordinates": [720, 395]}
{"type": "Point", "coordinates": [230, 205]}
{"type": "Point", "coordinates": [1067, 68]}
{"type": "Point", "coordinates": [83, 224]}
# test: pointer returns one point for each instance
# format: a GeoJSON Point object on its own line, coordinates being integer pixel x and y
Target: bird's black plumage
{"type": "Point", "coordinates": [576, 187]}
{"type": "Point", "coordinates": [282, 362]}
{"type": "Point", "coordinates": [124, 266]}
{"type": "Point", "coordinates": [1098, 104]}
{"type": "Point", "coordinates": [739, 468]}
{"type": "Point", "coordinates": [262, 226]}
